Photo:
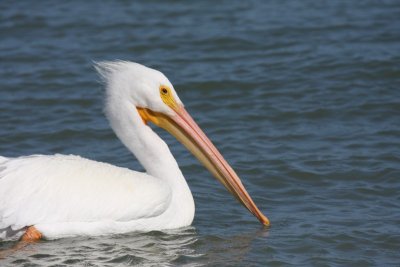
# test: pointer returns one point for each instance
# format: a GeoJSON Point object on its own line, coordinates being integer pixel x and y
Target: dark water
{"type": "Point", "coordinates": [302, 98]}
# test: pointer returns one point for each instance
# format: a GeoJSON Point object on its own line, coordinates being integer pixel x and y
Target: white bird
{"type": "Point", "coordinates": [55, 196]}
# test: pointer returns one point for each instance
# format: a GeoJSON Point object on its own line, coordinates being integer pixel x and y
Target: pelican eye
{"type": "Point", "coordinates": [167, 97]}
{"type": "Point", "coordinates": [164, 91]}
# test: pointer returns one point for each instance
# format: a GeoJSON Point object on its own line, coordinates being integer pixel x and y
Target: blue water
{"type": "Point", "coordinates": [301, 97]}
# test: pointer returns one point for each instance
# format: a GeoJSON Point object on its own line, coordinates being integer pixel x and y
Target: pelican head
{"type": "Point", "coordinates": [156, 101]}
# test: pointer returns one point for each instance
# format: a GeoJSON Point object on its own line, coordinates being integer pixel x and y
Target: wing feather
{"type": "Point", "coordinates": [58, 189]}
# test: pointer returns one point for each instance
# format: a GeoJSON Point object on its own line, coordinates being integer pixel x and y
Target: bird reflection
{"type": "Point", "coordinates": [169, 248]}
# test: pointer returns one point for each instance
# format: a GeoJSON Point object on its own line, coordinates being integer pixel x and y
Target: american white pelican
{"type": "Point", "coordinates": [54, 196]}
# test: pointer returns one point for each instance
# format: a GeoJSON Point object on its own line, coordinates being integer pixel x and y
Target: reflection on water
{"type": "Point", "coordinates": [170, 248]}
{"type": "Point", "coordinates": [229, 250]}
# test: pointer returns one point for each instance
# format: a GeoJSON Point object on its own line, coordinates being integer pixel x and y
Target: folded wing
{"type": "Point", "coordinates": [61, 189]}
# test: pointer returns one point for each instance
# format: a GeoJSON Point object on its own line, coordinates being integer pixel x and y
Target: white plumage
{"type": "Point", "coordinates": [52, 192]}
{"type": "Point", "coordinates": [68, 195]}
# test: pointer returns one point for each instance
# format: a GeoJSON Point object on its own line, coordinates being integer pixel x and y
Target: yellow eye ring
{"type": "Point", "coordinates": [167, 97]}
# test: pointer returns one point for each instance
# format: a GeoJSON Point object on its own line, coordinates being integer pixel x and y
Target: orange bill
{"type": "Point", "coordinates": [184, 128]}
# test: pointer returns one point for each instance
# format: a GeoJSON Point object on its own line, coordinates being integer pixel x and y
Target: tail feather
{"type": "Point", "coordinates": [2, 167]}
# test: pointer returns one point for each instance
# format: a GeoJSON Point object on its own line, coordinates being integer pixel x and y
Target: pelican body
{"type": "Point", "coordinates": [55, 196]}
